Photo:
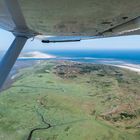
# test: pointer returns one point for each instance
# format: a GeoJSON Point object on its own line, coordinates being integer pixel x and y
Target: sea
{"type": "Point", "coordinates": [92, 56]}
{"type": "Point", "coordinates": [98, 56]}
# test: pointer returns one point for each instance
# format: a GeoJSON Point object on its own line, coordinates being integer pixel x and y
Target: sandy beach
{"type": "Point", "coordinates": [131, 67]}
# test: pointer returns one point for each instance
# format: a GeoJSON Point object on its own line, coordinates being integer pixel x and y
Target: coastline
{"type": "Point", "coordinates": [23, 64]}
{"type": "Point", "coordinates": [120, 64]}
{"type": "Point", "coordinates": [132, 67]}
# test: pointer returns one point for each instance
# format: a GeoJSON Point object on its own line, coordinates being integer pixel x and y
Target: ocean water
{"type": "Point", "coordinates": [94, 56]}
{"type": "Point", "coordinates": [130, 56]}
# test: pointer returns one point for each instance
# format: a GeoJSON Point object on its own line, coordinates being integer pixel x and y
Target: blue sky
{"type": "Point", "coordinates": [115, 43]}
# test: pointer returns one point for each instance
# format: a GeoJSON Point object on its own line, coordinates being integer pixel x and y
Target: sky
{"type": "Point", "coordinates": [114, 43]}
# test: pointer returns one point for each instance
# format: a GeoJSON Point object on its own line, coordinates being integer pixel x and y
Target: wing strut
{"type": "Point", "coordinates": [21, 32]}
{"type": "Point", "coordinates": [10, 57]}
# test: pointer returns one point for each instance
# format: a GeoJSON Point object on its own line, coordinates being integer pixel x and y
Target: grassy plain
{"type": "Point", "coordinates": [57, 100]}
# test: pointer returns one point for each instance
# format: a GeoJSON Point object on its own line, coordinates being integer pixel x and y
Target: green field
{"type": "Point", "coordinates": [57, 100]}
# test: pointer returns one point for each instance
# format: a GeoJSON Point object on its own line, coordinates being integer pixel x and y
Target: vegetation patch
{"type": "Point", "coordinates": [56, 100]}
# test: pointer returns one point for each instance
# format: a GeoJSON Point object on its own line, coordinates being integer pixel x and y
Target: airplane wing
{"type": "Point", "coordinates": [74, 18]}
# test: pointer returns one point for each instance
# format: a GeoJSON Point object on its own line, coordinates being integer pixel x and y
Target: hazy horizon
{"type": "Point", "coordinates": [114, 43]}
